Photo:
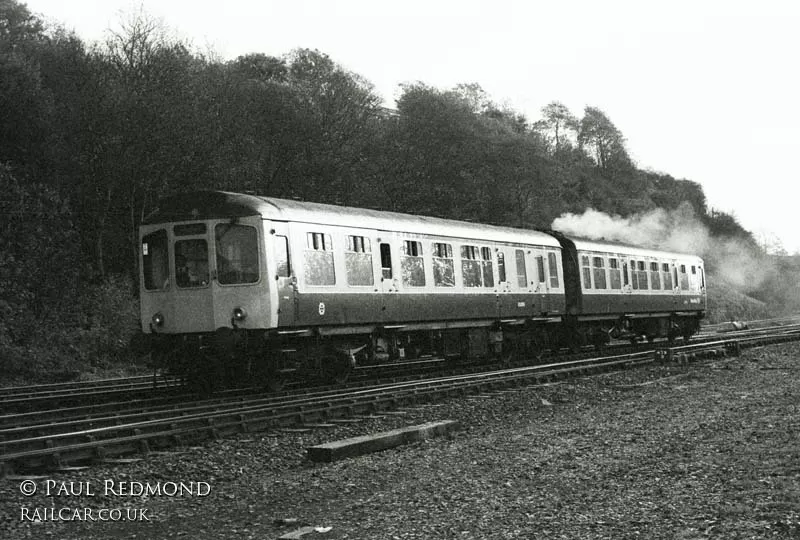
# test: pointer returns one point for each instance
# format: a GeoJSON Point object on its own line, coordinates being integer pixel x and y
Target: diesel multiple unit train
{"type": "Point", "coordinates": [254, 288]}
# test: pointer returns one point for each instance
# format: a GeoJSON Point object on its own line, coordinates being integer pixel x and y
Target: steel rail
{"type": "Point", "coordinates": [101, 442]}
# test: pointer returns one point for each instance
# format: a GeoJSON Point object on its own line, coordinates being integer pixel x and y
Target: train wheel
{"type": "Point", "coordinates": [341, 376]}
{"type": "Point", "coordinates": [276, 383]}
{"type": "Point", "coordinates": [335, 368]}
{"type": "Point", "coordinates": [536, 351]}
{"type": "Point", "coordinates": [536, 347]}
{"type": "Point", "coordinates": [509, 353]}
{"type": "Point", "coordinates": [201, 382]}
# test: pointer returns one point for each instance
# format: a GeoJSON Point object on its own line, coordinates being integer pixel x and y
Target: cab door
{"type": "Point", "coordinates": [284, 276]}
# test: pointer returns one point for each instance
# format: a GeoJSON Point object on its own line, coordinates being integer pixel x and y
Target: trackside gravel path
{"type": "Point", "coordinates": [711, 450]}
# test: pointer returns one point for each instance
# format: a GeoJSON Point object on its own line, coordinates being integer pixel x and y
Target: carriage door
{"type": "Point", "coordinates": [506, 304]}
{"type": "Point", "coordinates": [676, 287]}
{"type": "Point", "coordinates": [389, 277]}
{"type": "Point", "coordinates": [284, 276]}
{"type": "Point", "coordinates": [542, 283]}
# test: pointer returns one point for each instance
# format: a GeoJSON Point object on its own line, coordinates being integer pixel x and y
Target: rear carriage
{"type": "Point", "coordinates": [621, 291]}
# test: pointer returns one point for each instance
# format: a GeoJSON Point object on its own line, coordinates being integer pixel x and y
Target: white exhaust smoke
{"type": "Point", "coordinates": [676, 230]}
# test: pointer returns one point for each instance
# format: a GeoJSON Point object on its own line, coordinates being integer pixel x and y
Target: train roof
{"type": "Point", "coordinates": [220, 205]}
{"type": "Point", "coordinates": [604, 246]}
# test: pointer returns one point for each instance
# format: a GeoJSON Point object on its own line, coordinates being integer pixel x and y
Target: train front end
{"type": "Point", "coordinates": [204, 296]}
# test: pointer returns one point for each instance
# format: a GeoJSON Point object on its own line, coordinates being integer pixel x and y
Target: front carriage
{"type": "Point", "coordinates": [257, 287]}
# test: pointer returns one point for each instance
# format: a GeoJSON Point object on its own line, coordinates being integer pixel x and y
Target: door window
{"type": "Point", "coordinates": [155, 261]}
{"type": "Point", "coordinates": [191, 263]}
{"type": "Point", "coordinates": [522, 274]}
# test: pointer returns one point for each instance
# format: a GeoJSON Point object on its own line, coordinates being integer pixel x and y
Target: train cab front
{"type": "Point", "coordinates": [203, 288]}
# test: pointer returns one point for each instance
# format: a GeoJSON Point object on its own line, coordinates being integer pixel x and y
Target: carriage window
{"type": "Point", "coordinates": [191, 263]}
{"type": "Point", "coordinates": [412, 265]}
{"type": "Point", "coordinates": [625, 280]}
{"type": "Point", "coordinates": [586, 270]}
{"type": "Point", "coordinates": [443, 266]}
{"type": "Point", "coordinates": [319, 241]}
{"type": "Point", "coordinates": [501, 267]}
{"type": "Point", "coordinates": [553, 264]}
{"type": "Point", "coordinates": [599, 273]}
{"type": "Point", "coordinates": [522, 274]}
{"type": "Point", "coordinates": [655, 276]}
{"type": "Point", "coordinates": [282, 256]}
{"type": "Point", "coordinates": [358, 261]}
{"type": "Point", "coordinates": [470, 266]}
{"type": "Point", "coordinates": [540, 268]}
{"type": "Point", "coordinates": [613, 274]}
{"type": "Point", "coordinates": [684, 278]}
{"type": "Point", "coordinates": [155, 261]}
{"type": "Point", "coordinates": [318, 256]}
{"type": "Point", "coordinates": [641, 272]}
{"type": "Point", "coordinates": [358, 244]}
{"type": "Point", "coordinates": [386, 261]}
{"type": "Point", "coordinates": [666, 275]}
{"type": "Point", "coordinates": [237, 253]}
{"type": "Point", "coordinates": [486, 267]}
{"type": "Point", "coordinates": [702, 279]}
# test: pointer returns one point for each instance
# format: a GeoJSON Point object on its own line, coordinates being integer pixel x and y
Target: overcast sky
{"type": "Point", "coordinates": [702, 90]}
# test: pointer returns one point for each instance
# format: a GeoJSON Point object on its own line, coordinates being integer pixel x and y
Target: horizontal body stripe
{"type": "Point", "coordinates": [315, 309]}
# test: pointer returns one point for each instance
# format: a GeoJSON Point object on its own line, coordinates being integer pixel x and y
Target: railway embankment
{"type": "Point", "coordinates": [708, 449]}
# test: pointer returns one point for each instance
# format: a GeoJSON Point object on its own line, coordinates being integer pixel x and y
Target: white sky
{"type": "Point", "coordinates": [704, 90]}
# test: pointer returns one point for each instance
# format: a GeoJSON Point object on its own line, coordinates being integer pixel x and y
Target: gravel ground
{"type": "Point", "coordinates": [708, 450]}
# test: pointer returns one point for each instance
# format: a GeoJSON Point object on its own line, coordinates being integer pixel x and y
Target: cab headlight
{"type": "Point", "coordinates": [239, 314]}
{"type": "Point", "coordinates": [158, 319]}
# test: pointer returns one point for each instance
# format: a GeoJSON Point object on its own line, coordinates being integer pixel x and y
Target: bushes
{"type": "Point", "coordinates": [109, 318]}
{"type": "Point", "coordinates": [51, 325]}
{"type": "Point", "coordinates": [726, 303]}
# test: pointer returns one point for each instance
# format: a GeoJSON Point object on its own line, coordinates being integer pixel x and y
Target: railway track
{"type": "Point", "coordinates": [144, 387]}
{"type": "Point", "coordinates": [56, 390]}
{"type": "Point", "coordinates": [32, 441]}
